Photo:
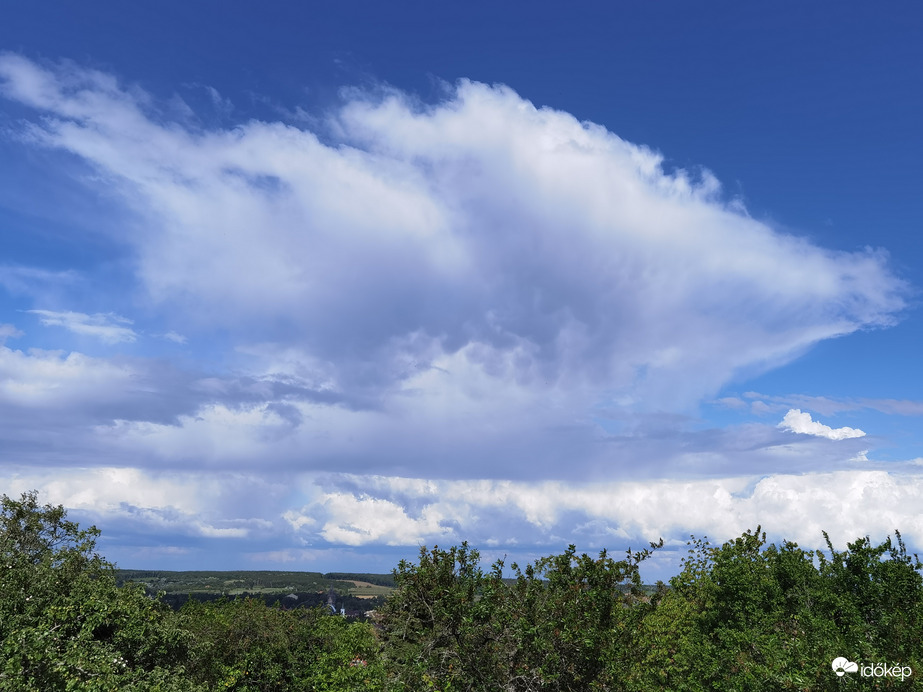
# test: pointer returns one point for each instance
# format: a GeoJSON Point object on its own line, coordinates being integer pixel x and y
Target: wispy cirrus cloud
{"type": "Point", "coordinates": [108, 328]}
{"type": "Point", "coordinates": [34, 280]}
{"type": "Point", "coordinates": [765, 404]}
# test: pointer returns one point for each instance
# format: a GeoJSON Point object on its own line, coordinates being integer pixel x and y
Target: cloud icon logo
{"type": "Point", "coordinates": [843, 665]}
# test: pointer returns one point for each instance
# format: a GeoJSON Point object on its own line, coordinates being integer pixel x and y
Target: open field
{"type": "Point", "coordinates": [363, 589]}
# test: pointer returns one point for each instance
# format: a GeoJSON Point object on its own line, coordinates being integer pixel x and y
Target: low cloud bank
{"type": "Point", "coordinates": [375, 512]}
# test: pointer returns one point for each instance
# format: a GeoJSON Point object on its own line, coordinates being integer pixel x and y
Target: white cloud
{"type": "Point", "coordinates": [459, 291]}
{"type": "Point", "coordinates": [731, 402]}
{"type": "Point", "coordinates": [197, 504]}
{"type": "Point", "coordinates": [217, 532]}
{"type": "Point", "coordinates": [357, 521]}
{"type": "Point", "coordinates": [106, 489]}
{"type": "Point", "coordinates": [358, 511]}
{"type": "Point", "coordinates": [215, 434]}
{"type": "Point", "coordinates": [8, 331]}
{"type": "Point", "coordinates": [55, 380]}
{"type": "Point", "coordinates": [798, 422]}
{"type": "Point", "coordinates": [550, 249]}
{"type": "Point", "coordinates": [799, 507]}
{"type": "Point", "coordinates": [108, 328]}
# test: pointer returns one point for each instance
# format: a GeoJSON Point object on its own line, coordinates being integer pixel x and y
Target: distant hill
{"type": "Point", "coordinates": [354, 593]}
{"type": "Point", "coordinates": [236, 582]}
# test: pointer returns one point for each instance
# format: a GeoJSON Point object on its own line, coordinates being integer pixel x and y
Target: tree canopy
{"type": "Point", "coordinates": [64, 623]}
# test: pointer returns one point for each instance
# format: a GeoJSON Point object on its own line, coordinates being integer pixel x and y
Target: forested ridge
{"type": "Point", "coordinates": [744, 615]}
{"type": "Point", "coordinates": [235, 582]}
{"type": "Point", "coordinates": [344, 591]}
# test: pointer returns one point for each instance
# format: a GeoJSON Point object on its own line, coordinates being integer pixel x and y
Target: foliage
{"type": "Point", "coordinates": [64, 624]}
{"type": "Point", "coordinates": [747, 615]}
{"type": "Point", "coordinates": [451, 626]}
{"type": "Point", "coordinates": [752, 616]}
{"type": "Point", "coordinates": [246, 645]}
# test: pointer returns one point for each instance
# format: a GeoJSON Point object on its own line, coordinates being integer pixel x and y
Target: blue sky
{"type": "Point", "coordinates": [298, 288]}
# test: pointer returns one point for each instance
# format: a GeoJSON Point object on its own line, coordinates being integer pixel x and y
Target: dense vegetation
{"type": "Point", "coordinates": [746, 615]}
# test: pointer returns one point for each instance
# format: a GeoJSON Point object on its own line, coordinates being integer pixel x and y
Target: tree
{"type": "Point", "coordinates": [64, 623]}
{"type": "Point", "coordinates": [564, 622]}
{"type": "Point", "coordinates": [753, 616]}
{"type": "Point", "coordinates": [246, 645]}
{"type": "Point", "coordinates": [434, 629]}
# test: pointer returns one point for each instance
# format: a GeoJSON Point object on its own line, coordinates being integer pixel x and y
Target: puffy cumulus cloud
{"type": "Point", "coordinates": [451, 297]}
{"type": "Point", "coordinates": [107, 489]}
{"type": "Point", "coordinates": [362, 510]}
{"type": "Point", "coordinates": [356, 521]}
{"type": "Point", "coordinates": [67, 407]}
{"type": "Point", "coordinates": [109, 328]}
{"type": "Point", "coordinates": [798, 422]}
{"type": "Point", "coordinates": [547, 254]}
{"type": "Point", "coordinates": [444, 418]}
{"type": "Point", "coordinates": [314, 519]}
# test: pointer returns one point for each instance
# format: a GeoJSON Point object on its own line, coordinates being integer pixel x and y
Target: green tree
{"type": "Point", "coordinates": [64, 623]}
{"type": "Point", "coordinates": [574, 619]}
{"type": "Point", "coordinates": [753, 616]}
{"type": "Point", "coordinates": [562, 623]}
{"type": "Point", "coordinates": [435, 631]}
{"type": "Point", "coordinates": [875, 599]}
{"type": "Point", "coordinates": [245, 645]}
